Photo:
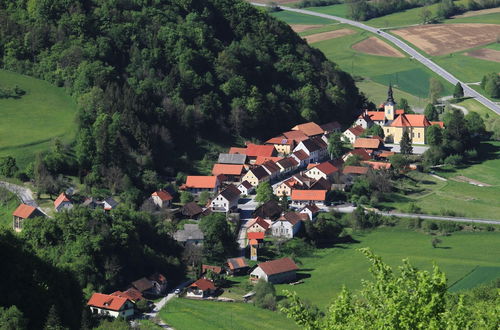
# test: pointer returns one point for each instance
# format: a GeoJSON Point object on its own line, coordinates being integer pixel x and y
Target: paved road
{"type": "Point", "coordinates": [417, 150]}
{"type": "Point", "coordinates": [468, 91]}
{"type": "Point", "coordinates": [23, 193]}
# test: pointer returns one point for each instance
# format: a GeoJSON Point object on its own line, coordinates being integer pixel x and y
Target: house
{"type": "Point", "coordinates": [283, 145]}
{"type": "Point", "coordinates": [276, 271]}
{"type": "Point", "coordinates": [198, 183]}
{"type": "Point", "coordinates": [191, 234]}
{"type": "Point", "coordinates": [287, 225]}
{"type": "Point", "coordinates": [315, 148]}
{"type": "Point", "coordinates": [324, 170]}
{"type": "Point", "coordinates": [311, 210]}
{"type": "Point", "coordinates": [302, 197]}
{"type": "Point", "coordinates": [323, 184]}
{"type": "Point", "coordinates": [269, 210]}
{"type": "Point", "coordinates": [310, 129]}
{"type": "Point", "coordinates": [62, 202]}
{"type": "Point", "coordinates": [272, 169]}
{"type": "Point", "coordinates": [162, 198]}
{"type": "Point", "coordinates": [355, 170]}
{"type": "Point", "coordinates": [262, 159]}
{"type": "Point", "coordinates": [377, 117]}
{"type": "Point", "coordinates": [254, 150]}
{"type": "Point", "coordinates": [246, 188]}
{"type": "Point", "coordinates": [232, 172]}
{"type": "Point", "coordinates": [232, 159]}
{"type": "Point", "coordinates": [285, 188]}
{"type": "Point", "coordinates": [364, 120]}
{"type": "Point", "coordinates": [385, 154]}
{"type": "Point", "coordinates": [287, 165]}
{"type": "Point", "coordinates": [257, 237]}
{"type": "Point", "coordinates": [377, 165]}
{"type": "Point", "coordinates": [226, 200]}
{"type": "Point", "coordinates": [258, 224]}
{"type": "Point", "coordinates": [201, 289]}
{"type": "Point", "coordinates": [22, 213]}
{"type": "Point", "coordinates": [256, 175]}
{"type": "Point", "coordinates": [191, 210]}
{"type": "Point", "coordinates": [109, 204]}
{"type": "Point", "coordinates": [369, 144]}
{"type": "Point", "coordinates": [108, 305]}
{"type": "Point", "coordinates": [362, 154]}
{"type": "Point", "coordinates": [214, 269]}
{"type": "Point", "coordinates": [333, 126]}
{"type": "Point", "coordinates": [237, 266]}
{"type": "Point", "coordinates": [156, 284]}
{"type": "Point", "coordinates": [131, 294]}
{"type": "Point", "coordinates": [301, 157]}
{"type": "Point", "coordinates": [352, 133]}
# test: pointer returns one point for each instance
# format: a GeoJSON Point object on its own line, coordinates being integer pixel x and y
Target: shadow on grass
{"type": "Point", "coordinates": [443, 247]}
{"type": "Point", "coordinates": [302, 276]}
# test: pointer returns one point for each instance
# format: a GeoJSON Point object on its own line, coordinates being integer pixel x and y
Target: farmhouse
{"type": "Point", "coordinates": [315, 148]}
{"type": "Point", "coordinates": [155, 284]}
{"type": "Point", "coordinates": [108, 305]}
{"type": "Point", "coordinates": [355, 170]}
{"type": "Point", "coordinates": [226, 200]}
{"type": "Point", "coordinates": [245, 188]}
{"type": "Point", "coordinates": [302, 197]}
{"type": "Point", "coordinates": [22, 213]}
{"type": "Point", "coordinates": [283, 145]}
{"type": "Point", "coordinates": [285, 187]}
{"type": "Point", "coordinates": [369, 144]}
{"type": "Point", "coordinates": [237, 266]}
{"type": "Point", "coordinates": [62, 202]}
{"type": "Point", "coordinates": [311, 210]}
{"type": "Point", "coordinates": [262, 159]}
{"type": "Point", "coordinates": [196, 184]}
{"type": "Point", "coordinates": [256, 176]}
{"type": "Point", "coordinates": [361, 153]}
{"type": "Point", "coordinates": [131, 294]}
{"type": "Point", "coordinates": [162, 198]}
{"type": "Point", "coordinates": [258, 224]}
{"type": "Point", "coordinates": [352, 133]}
{"type": "Point", "coordinates": [301, 157]}
{"type": "Point", "coordinates": [254, 150]}
{"type": "Point", "coordinates": [201, 289]}
{"type": "Point", "coordinates": [364, 120]}
{"type": "Point", "coordinates": [269, 210]}
{"type": "Point", "coordinates": [232, 172]}
{"type": "Point", "coordinates": [214, 269]}
{"type": "Point", "coordinates": [324, 170]}
{"type": "Point", "coordinates": [287, 165]}
{"type": "Point", "coordinates": [287, 225]}
{"type": "Point", "coordinates": [275, 271]}
{"type": "Point", "coordinates": [191, 210]}
{"type": "Point", "coordinates": [310, 129]}
{"type": "Point", "coordinates": [272, 169]}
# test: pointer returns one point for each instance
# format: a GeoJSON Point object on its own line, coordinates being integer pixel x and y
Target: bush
{"type": "Point", "coordinates": [453, 160]}
{"type": "Point", "coordinates": [471, 154]}
{"type": "Point", "coordinates": [264, 292]}
{"type": "Point", "coordinates": [414, 208]}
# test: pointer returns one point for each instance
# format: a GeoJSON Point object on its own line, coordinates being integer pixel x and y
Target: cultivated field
{"type": "Point", "coordinates": [298, 28]}
{"type": "Point", "coordinates": [485, 54]}
{"type": "Point", "coordinates": [328, 35]}
{"type": "Point", "coordinates": [30, 122]}
{"type": "Point", "coordinates": [375, 46]}
{"type": "Point", "coordinates": [478, 13]}
{"type": "Point", "coordinates": [440, 39]}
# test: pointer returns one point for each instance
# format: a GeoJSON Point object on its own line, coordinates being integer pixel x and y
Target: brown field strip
{"type": "Point", "coordinates": [303, 27]}
{"type": "Point", "coordinates": [375, 46]}
{"type": "Point", "coordinates": [478, 13]}
{"type": "Point", "coordinates": [485, 54]}
{"type": "Point", "coordinates": [440, 39]}
{"type": "Point", "coordinates": [328, 35]}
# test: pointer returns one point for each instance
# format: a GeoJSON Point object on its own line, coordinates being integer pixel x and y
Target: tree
{"type": "Point", "coordinates": [204, 197]}
{"type": "Point", "coordinates": [435, 242]}
{"type": "Point", "coordinates": [399, 161]}
{"type": "Point", "coordinates": [459, 91]}
{"type": "Point", "coordinates": [8, 166]}
{"type": "Point", "coordinates": [431, 113]}
{"type": "Point", "coordinates": [354, 160]}
{"type": "Point", "coordinates": [335, 145]}
{"type": "Point", "coordinates": [264, 193]}
{"type": "Point", "coordinates": [12, 318]}
{"type": "Point", "coordinates": [53, 320]}
{"type": "Point", "coordinates": [434, 135]}
{"type": "Point", "coordinates": [218, 242]}
{"type": "Point", "coordinates": [403, 104]}
{"type": "Point", "coordinates": [284, 202]}
{"type": "Point", "coordinates": [435, 89]}
{"type": "Point", "coordinates": [475, 124]}
{"type": "Point", "coordinates": [406, 144]}
{"type": "Point", "coordinates": [186, 197]}
{"type": "Point", "coordinates": [375, 130]}
{"type": "Point", "coordinates": [425, 15]}
{"type": "Point", "coordinates": [265, 294]}
{"type": "Point", "coordinates": [491, 84]}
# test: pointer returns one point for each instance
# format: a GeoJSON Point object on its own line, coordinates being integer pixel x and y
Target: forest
{"type": "Point", "coordinates": [154, 80]}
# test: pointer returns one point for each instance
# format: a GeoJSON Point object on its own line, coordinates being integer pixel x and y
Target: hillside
{"type": "Point", "coordinates": [154, 79]}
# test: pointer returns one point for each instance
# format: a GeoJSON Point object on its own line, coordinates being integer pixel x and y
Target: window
{"type": "Point", "coordinates": [419, 135]}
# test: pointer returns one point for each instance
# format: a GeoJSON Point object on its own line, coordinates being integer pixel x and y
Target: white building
{"type": "Point", "coordinates": [245, 188]}
{"type": "Point", "coordinates": [227, 200]}
{"type": "Point", "coordinates": [315, 148]}
{"type": "Point", "coordinates": [275, 271]}
{"type": "Point", "coordinates": [108, 305]}
{"type": "Point", "coordinates": [162, 198]}
{"type": "Point", "coordinates": [352, 133]}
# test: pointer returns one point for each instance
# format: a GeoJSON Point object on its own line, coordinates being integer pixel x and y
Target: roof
{"type": "Point", "coordinates": [106, 301]}
{"type": "Point", "coordinates": [331, 126]}
{"type": "Point", "coordinates": [367, 143]}
{"type": "Point", "coordinates": [296, 136]}
{"type": "Point", "coordinates": [271, 166]}
{"type": "Point", "coordinates": [111, 202]}
{"type": "Point", "coordinates": [309, 129]}
{"type": "Point", "coordinates": [292, 217]}
{"type": "Point", "coordinates": [355, 170]}
{"type": "Point", "coordinates": [24, 211]}
{"type": "Point", "coordinates": [386, 154]}
{"type": "Point", "coordinates": [301, 155]}
{"type": "Point", "coordinates": [262, 159]}
{"type": "Point", "coordinates": [259, 172]}
{"type": "Point", "coordinates": [256, 235]}
{"type": "Point", "coordinates": [142, 284]}
{"type": "Point", "coordinates": [376, 115]}
{"type": "Point", "coordinates": [278, 266]}
{"type": "Point", "coordinates": [270, 209]}
{"type": "Point", "coordinates": [234, 158]}
{"type": "Point", "coordinates": [163, 195]}
{"type": "Point", "coordinates": [215, 269]}
{"type": "Point", "coordinates": [130, 294]}
{"type": "Point", "coordinates": [227, 169]}
{"type": "Point", "coordinates": [321, 184]}
{"type": "Point", "coordinates": [410, 120]}
{"type": "Point", "coordinates": [439, 123]}
{"type": "Point", "coordinates": [203, 284]}
{"type": "Point", "coordinates": [280, 140]}
{"type": "Point", "coordinates": [201, 181]}
{"type": "Point", "coordinates": [246, 184]}
{"type": "Point", "coordinates": [61, 199]}
{"type": "Point", "coordinates": [362, 153]}
{"type": "Point", "coordinates": [327, 168]}
{"type": "Point", "coordinates": [356, 130]}
{"type": "Point", "coordinates": [312, 207]}
{"type": "Point", "coordinates": [287, 162]}
{"type": "Point", "coordinates": [254, 150]}
{"type": "Point", "coordinates": [191, 209]}
{"type": "Point", "coordinates": [238, 150]}
{"type": "Point", "coordinates": [314, 144]}
{"type": "Point", "coordinates": [377, 165]}
{"type": "Point", "coordinates": [308, 195]}
{"type": "Point", "coordinates": [400, 111]}
{"type": "Point", "coordinates": [231, 192]}
{"type": "Point", "coordinates": [259, 221]}
{"type": "Point", "coordinates": [237, 263]}
{"type": "Point", "coordinates": [190, 232]}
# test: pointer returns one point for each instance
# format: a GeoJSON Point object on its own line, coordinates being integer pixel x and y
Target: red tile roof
{"type": "Point", "coordinates": [377, 165]}
{"type": "Point", "coordinates": [201, 181]}
{"type": "Point", "coordinates": [362, 153]}
{"type": "Point", "coordinates": [367, 143]}
{"type": "Point", "coordinates": [253, 242]}
{"type": "Point", "coordinates": [237, 150]}
{"type": "Point", "coordinates": [355, 170]}
{"type": "Point", "coordinates": [61, 199]}
{"type": "Point", "coordinates": [439, 123]}
{"type": "Point", "coordinates": [327, 168]}
{"type": "Point", "coordinates": [215, 269]}
{"type": "Point", "coordinates": [24, 211]}
{"type": "Point", "coordinates": [308, 195]}
{"type": "Point", "coordinates": [400, 111]}
{"type": "Point", "coordinates": [262, 159]}
{"type": "Point", "coordinates": [131, 294]}
{"type": "Point", "coordinates": [227, 169]}
{"type": "Point", "coordinates": [410, 120]}
{"type": "Point", "coordinates": [296, 136]}
{"type": "Point", "coordinates": [256, 235]}
{"type": "Point", "coordinates": [203, 284]}
{"type": "Point", "coordinates": [254, 150]}
{"type": "Point", "coordinates": [163, 195]}
{"type": "Point", "coordinates": [376, 115]}
{"type": "Point", "coordinates": [278, 266]}
{"type": "Point", "coordinates": [106, 301]}
{"type": "Point", "coordinates": [236, 263]}
{"type": "Point", "coordinates": [280, 140]}
{"type": "Point", "coordinates": [386, 154]}
{"type": "Point", "coordinates": [309, 129]}
{"type": "Point", "coordinates": [356, 130]}
{"type": "Point", "coordinates": [260, 221]}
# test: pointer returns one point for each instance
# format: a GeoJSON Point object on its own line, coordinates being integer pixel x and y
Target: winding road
{"type": "Point", "coordinates": [468, 91]}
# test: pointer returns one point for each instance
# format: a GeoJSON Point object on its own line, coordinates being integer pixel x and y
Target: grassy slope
{"type": "Point", "coordinates": [466, 68]}
{"type": "Point", "coordinates": [296, 18]}
{"type": "Point", "coordinates": [8, 203]}
{"type": "Point", "coordinates": [377, 92]}
{"type": "Point", "coordinates": [493, 18]}
{"type": "Point", "coordinates": [29, 124]}
{"type": "Point", "coordinates": [475, 106]}
{"type": "Point", "coordinates": [193, 314]}
{"type": "Point", "coordinates": [335, 10]}
{"type": "Point", "coordinates": [330, 269]}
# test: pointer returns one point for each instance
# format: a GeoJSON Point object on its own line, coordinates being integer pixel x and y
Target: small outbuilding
{"type": "Point", "coordinates": [276, 271]}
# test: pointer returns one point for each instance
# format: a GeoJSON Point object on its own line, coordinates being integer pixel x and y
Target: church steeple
{"type": "Point", "coordinates": [389, 105]}
{"type": "Point", "coordinates": [390, 98]}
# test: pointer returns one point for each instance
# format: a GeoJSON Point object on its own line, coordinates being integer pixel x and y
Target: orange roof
{"type": "Point", "coordinates": [201, 181]}
{"type": "Point", "coordinates": [203, 284]}
{"type": "Point", "coordinates": [308, 195]}
{"type": "Point", "coordinates": [215, 269]}
{"type": "Point", "coordinates": [439, 123]}
{"type": "Point", "coordinates": [280, 140]}
{"type": "Point", "coordinates": [60, 199]}
{"type": "Point", "coordinates": [356, 130]}
{"type": "Point", "coordinates": [24, 211]}
{"type": "Point", "coordinates": [256, 235]}
{"type": "Point", "coordinates": [376, 115]}
{"type": "Point", "coordinates": [164, 195]}
{"type": "Point", "coordinates": [362, 153]}
{"type": "Point", "coordinates": [236, 263]}
{"type": "Point", "coordinates": [367, 143]}
{"type": "Point", "coordinates": [106, 301]}
{"type": "Point", "coordinates": [377, 165]}
{"type": "Point", "coordinates": [254, 150]}
{"type": "Point", "coordinates": [411, 120]}
{"type": "Point", "coordinates": [327, 168]}
{"type": "Point", "coordinates": [355, 170]}
{"type": "Point", "coordinates": [237, 150]}
{"type": "Point", "coordinates": [260, 221]}
{"type": "Point", "coordinates": [311, 165]}
{"type": "Point", "coordinates": [262, 159]}
{"type": "Point", "coordinates": [130, 294]}
{"type": "Point", "coordinates": [309, 129]}
{"type": "Point", "coordinates": [296, 136]}
{"type": "Point", "coordinates": [400, 111]}
{"type": "Point", "coordinates": [227, 169]}
{"type": "Point", "coordinates": [386, 154]}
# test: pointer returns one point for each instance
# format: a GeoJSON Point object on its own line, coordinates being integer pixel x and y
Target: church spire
{"type": "Point", "coordinates": [390, 98]}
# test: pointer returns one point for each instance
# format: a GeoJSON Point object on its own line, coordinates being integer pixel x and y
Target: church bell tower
{"type": "Point", "coordinates": [389, 105]}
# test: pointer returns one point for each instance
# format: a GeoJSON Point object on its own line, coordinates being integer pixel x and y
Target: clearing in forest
{"type": "Point", "coordinates": [485, 54]}
{"type": "Point", "coordinates": [328, 35]}
{"type": "Point", "coordinates": [440, 39]}
{"type": "Point", "coordinates": [375, 46]}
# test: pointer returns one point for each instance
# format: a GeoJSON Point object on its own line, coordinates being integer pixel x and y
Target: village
{"type": "Point", "coordinates": [300, 170]}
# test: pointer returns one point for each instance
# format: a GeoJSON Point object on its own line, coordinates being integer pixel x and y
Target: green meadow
{"type": "Point", "coordinates": [378, 92]}
{"type": "Point", "coordinates": [31, 122]}
{"type": "Point", "coordinates": [8, 203]}
{"type": "Point", "coordinates": [493, 18]}
{"type": "Point", "coordinates": [297, 18]}
{"type": "Point", "coordinates": [335, 10]}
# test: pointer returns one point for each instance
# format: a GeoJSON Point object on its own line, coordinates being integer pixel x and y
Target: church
{"type": "Point", "coordinates": [395, 121]}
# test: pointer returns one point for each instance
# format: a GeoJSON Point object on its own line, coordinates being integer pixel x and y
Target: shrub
{"type": "Point", "coordinates": [414, 208]}
{"type": "Point", "coordinates": [471, 154]}
{"type": "Point", "coordinates": [453, 160]}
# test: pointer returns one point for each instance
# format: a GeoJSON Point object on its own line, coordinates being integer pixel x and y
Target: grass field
{"type": "Point", "coordinates": [30, 123]}
{"type": "Point", "coordinates": [377, 93]}
{"type": "Point", "coordinates": [493, 18]}
{"type": "Point", "coordinates": [328, 270]}
{"type": "Point", "coordinates": [466, 68]}
{"type": "Point", "coordinates": [335, 10]}
{"type": "Point", "coordinates": [495, 46]}
{"type": "Point", "coordinates": [296, 18]}
{"type": "Point", "coordinates": [473, 105]}
{"type": "Point", "coordinates": [194, 314]}
{"type": "Point", "coordinates": [8, 203]}
{"type": "Point", "coordinates": [478, 276]}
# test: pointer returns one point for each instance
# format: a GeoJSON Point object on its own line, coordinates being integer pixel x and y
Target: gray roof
{"type": "Point", "coordinates": [232, 159]}
{"type": "Point", "coordinates": [190, 232]}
